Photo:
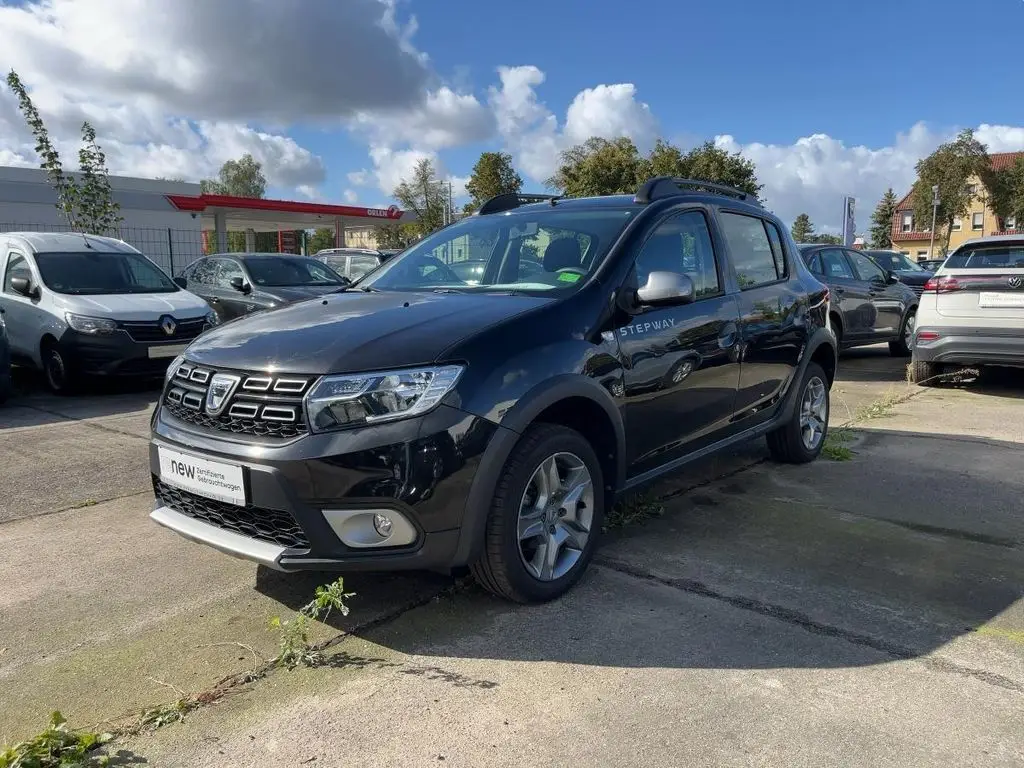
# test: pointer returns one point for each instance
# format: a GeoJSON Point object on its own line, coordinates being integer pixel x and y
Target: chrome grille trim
{"type": "Point", "coordinates": [290, 386]}
{"type": "Point", "coordinates": [257, 383]}
{"type": "Point", "coordinates": [244, 410]}
{"type": "Point", "coordinates": [278, 413]}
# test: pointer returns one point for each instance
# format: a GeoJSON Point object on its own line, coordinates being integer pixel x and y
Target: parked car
{"type": "Point", "coordinates": [910, 273]}
{"type": "Point", "coordinates": [78, 304]}
{"type": "Point", "coordinates": [5, 361]}
{"type": "Point", "coordinates": [868, 303]}
{"type": "Point", "coordinates": [419, 421]}
{"type": "Point", "coordinates": [931, 264]}
{"type": "Point", "coordinates": [236, 284]}
{"type": "Point", "coordinates": [352, 263]}
{"type": "Point", "coordinates": [972, 309]}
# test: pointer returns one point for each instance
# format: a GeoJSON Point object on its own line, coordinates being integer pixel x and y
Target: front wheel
{"type": "Point", "coordinates": [545, 517]}
{"type": "Point", "coordinates": [59, 377]}
{"type": "Point", "coordinates": [801, 438]}
{"type": "Point", "coordinates": [902, 346]}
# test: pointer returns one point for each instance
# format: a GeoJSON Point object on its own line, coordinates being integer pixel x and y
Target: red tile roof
{"type": "Point", "coordinates": [1003, 160]}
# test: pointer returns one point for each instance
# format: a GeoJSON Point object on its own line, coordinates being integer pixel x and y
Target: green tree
{"type": "Point", "coordinates": [600, 167]}
{"type": "Point", "coordinates": [320, 239]}
{"type": "Point", "coordinates": [667, 160]}
{"type": "Point", "coordinates": [399, 236]}
{"type": "Point", "coordinates": [88, 204]}
{"type": "Point", "coordinates": [238, 178]}
{"type": "Point", "coordinates": [492, 175]}
{"type": "Point", "coordinates": [802, 229]}
{"type": "Point", "coordinates": [824, 239]}
{"type": "Point", "coordinates": [710, 163]}
{"type": "Point", "coordinates": [881, 220]}
{"type": "Point", "coordinates": [952, 168]}
{"type": "Point", "coordinates": [424, 195]}
{"type": "Point", "coordinates": [1008, 192]}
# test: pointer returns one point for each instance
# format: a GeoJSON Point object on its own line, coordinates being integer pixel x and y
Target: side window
{"type": "Point", "coordinates": [682, 244]}
{"type": "Point", "coordinates": [360, 265]}
{"type": "Point", "coordinates": [866, 268]}
{"type": "Point", "coordinates": [814, 264]}
{"type": "Point", "coordinates": [834, 265]}
{"type": "Point", "coordinates": [17, 266]}
{"type": "Point", "coordinates": [777, 253]}
{"type": "Point", "coordinates": [751, 250]}
{"type": "Point", "coordinates": [227, 270]}
{"type": "Point", "coordinates": [144, 276]}
{"type": "Point", "coordinates": [202, 272]}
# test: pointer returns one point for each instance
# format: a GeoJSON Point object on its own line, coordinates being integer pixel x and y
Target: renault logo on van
{"type": "Point", "coordinates": [168, 325]}
{"type": "Point", "coordinates": [222, 386]}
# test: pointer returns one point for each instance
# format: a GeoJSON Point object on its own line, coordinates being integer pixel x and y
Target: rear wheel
{"type": "Point", "coordinates": [545, 517]}
{"type": "Point", "coordinates": [902, 346]}
{"type": "Point", "coordinates": [800, 439]}
{"type": "Point", "coordinates": [923, 373]}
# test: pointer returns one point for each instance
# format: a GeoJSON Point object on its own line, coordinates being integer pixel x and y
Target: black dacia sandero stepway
{"type": "Point", "coordinates": [417, 420]}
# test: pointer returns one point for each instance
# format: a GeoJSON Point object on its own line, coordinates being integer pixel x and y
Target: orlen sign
{"type": "Point", "coordinates": [391, 212]}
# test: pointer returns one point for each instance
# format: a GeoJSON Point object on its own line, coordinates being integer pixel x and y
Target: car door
{"type": "Point", "coordinates": [199, 280]}
{"type": "Point", "coordinates": [772, 335]}
{"type": "Point", "coordinates": [23, 316]}
{"type": "Point", "coordinates": [681, 368]}
{"type": "Point", "coordinates": [849, 294]}
{"type": "Point", "coordinates": [234, 303]}
{"type": "Point", "coordinates": [887, 299]}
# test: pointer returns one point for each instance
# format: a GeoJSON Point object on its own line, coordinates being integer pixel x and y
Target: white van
{"type": "Point", "coordinates": [78, 305]}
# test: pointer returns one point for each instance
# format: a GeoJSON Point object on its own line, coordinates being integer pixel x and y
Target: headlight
{"type": "Point", "coordinates": [352, 400]}
{"type": "Point", "coordinates": [93, 325]}
{"type": "Point", "coordinates": [173, 368]}
{"type": "Point", "coordinates": [212, 319]}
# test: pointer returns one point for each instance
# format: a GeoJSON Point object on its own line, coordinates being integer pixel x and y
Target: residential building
{"type": "Point", "coordinates": [914, 237]}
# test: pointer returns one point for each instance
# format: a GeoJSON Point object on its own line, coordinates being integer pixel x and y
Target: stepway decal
{"type": "Point", "coordinates": [653, 325]}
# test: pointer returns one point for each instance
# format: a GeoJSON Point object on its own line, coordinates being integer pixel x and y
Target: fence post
{"type": "Point", "coordinates": [170, 250]}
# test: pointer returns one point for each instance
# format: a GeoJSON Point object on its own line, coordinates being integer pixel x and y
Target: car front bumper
{"type": "Point", "coordinates": [970, 346]}
{"type": "Point", "coordinates": [118, 354]}
{"type": "Point", "coordinates": [310, 501]}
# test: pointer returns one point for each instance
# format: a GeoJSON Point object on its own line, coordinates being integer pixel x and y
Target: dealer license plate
{"type": "Point", "coordinates": [1001, 299]}
{"type": "Point", "coordinates": [166, 350]}
{"type": "Point", "coordinates": [212, 479]}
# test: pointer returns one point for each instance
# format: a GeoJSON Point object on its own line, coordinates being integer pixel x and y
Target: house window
{"type": "Point", "coordinates": [908, 222]}
{"type": "Point", "coordinates": [905, 253]}
{"type": "Point", "coordinates": [972, 189]}
{"type": "Point", "coordinates": [977, 220]}
{"type": "Point", "coordinates": [921, 253]}
{"type": "Point", "coordinates": [1011, 222]}
{"type": "Point", "coordinates": [957, 224]}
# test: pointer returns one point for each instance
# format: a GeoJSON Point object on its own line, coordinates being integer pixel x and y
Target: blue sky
{"type": "Point", "coordinates": [339, 99]}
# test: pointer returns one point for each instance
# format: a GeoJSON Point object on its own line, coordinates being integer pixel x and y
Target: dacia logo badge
{"type": "Point", "coordinates": [222, 386]}
{"type": "Point", "coordinates": [168, 325]}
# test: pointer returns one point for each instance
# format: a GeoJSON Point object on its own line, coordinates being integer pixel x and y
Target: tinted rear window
{"type": "Point", "coordinates": [1008, 256]}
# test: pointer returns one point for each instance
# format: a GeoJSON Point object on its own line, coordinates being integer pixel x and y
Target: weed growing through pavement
{"type": "Point", "coordinates": [837, 444]}
{"type": "Point", "coordinates": [295, 649]}
{"type": "Point", "coordinates": [57, 747]}
{"type": "Point", "coordinates": [632, 510]}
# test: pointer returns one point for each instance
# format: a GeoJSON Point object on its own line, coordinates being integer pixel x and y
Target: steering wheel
{"type": "Point", "coordinates": [440, 274]}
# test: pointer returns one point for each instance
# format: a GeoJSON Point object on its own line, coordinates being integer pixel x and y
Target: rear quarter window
{"type": "Point", "coordinates": [1009, 256]}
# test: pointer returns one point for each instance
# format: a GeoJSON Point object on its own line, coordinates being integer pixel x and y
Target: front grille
{"type": "Point", "coordinates": [153, 331]}
{"type": "Point", "coordinates": [261, 405]}
{"type": "Point", "coordinates": [273, 526]}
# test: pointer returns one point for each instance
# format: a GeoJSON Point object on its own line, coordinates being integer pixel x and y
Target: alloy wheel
{"type": "Point", "coordinates": [908, 330]}
{"type": "Point", "coordinates": [813, 413]}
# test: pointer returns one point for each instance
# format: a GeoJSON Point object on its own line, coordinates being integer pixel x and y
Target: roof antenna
{"type": "Point", "coordinates": [86, 241]}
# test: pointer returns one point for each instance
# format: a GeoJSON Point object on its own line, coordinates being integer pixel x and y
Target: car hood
{"type": "Point", "coordinates": [909, 277]}
{"type": "Point", "coordinates": [181, 305]}
{"type": "Point", "coordinates": [297, 293]}
{"type": "Point", "coordinates": [354, 331]}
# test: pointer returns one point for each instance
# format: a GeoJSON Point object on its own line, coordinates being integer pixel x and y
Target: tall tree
{"type": "Point", "coordinates": [802, 230]}
{"type": "Point", "coordinates": [951, 167]}
{"type": "Point", "coordinates": [1008, 193]}
{"type": "Point", "coordinates": [87, 205]}
{"type": "Point", "coordinates": [492, 175]}
{"type": "Point", "coordinates": [667, 160]}
{"type": "Point", "coordinates": [423, 194]}
{"type": "Point", "coordinates": [824, 239]}
{"type": "Point", "coordinates": [881, 220]}
{"type": "Point", "coordinates": [599, 167]}
{"type": "Point", "coordinates": [320, 239]}
{"type": "Point", "coordinates": [390, 236]}
{"type": "Point", "coordinates": [710, 163]}
{"type": "Point", "coordinates": [238, 178]}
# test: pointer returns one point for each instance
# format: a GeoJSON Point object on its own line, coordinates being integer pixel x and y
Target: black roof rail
{"type": "Point", "coordinates": [511, 200]}
{"type": "Point", "coordinates": [667, 186]}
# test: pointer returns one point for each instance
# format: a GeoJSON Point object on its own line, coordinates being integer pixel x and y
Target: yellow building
{"type": "Point", "coordinates": [914, 237]}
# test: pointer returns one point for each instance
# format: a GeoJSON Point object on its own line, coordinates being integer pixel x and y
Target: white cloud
{"type": "Point", "coordinates": [609, 111]}
{"type": "Point", "coordinates": [392, 166]}
{"type": "Point", "coordinates": [350, 195]}
{"type": "Point", "coordinates": [360, 178]}
{"type": "Point", "coordinates": [444, 119]}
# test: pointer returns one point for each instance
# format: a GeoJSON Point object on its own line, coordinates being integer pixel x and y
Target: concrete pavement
{"type": "Point", "coordinates": [848, 613]}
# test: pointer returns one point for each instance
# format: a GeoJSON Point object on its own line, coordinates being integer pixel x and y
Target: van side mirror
{"type": "Point", "coordinates": [24, 286]}
{"type": "Point", "coordinates": [666, 288]}
{"type": "Point", "coordinates": [181, 282]}
{"type": "Point", "coordinates": [239, 284]}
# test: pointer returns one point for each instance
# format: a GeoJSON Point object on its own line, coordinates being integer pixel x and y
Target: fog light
{"type": "Point", "coordinates": [382, 524]}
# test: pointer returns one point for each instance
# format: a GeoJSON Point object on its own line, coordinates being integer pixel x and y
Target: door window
{"type": "Point", "coordinates": [751, 250]}
{"type": "Point", "coordinates": [834, 265]}
{"type": "Point", "coordinates": [17, 266]}
{"type": "Point", "coordinates": [202, 272]}
{"type": "Point", "coordinates": [866, 268]}
{"type": "Point", "coordinates": [360, 265]}
{"type": "Point", "coordinates": [815, 265]}
{"type": "Point", "coordinates": [682, 244]}
{"type": "Point", "coordinates": [226, 271]}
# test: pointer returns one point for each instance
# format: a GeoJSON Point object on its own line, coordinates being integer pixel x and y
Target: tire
{"type": "Point", "coordinates": [787, 443]}
{"type": "Point", "coordinates": [837, 330]}
{"type": "Point", "coordinates": [903, 346]}
{"type": "Point", "coordinates": [923, 373]}
{"type": "Point", "coordinates": [57, 371]}
{"type": "Point", "coordinates": [5, 386]}
{"type": "Point", "coordinates": [503, 567]}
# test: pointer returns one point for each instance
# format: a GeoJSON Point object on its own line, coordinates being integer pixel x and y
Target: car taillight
{"type": "Point", "coordinates": [942, 285]}
{"type": "Point", "coordinates": [927, 336]}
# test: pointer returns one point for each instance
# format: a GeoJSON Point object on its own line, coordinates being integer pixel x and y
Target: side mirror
{"type": "Point", "coordinates": [181, 282]}
{"type": "Point", "coordinates": [666, 288]}
{"type": "Point", "coordinates": [24, 286]}
{"type": "Point", "coordinates": [892, 277]}
{"type": "Point", "coordinates": [240, 285]}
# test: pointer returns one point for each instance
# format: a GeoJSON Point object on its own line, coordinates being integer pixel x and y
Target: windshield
{"type": "Point", "coordinates": [536, 252]}
{"type": "Point", "coordinates": [1007, 256]}
{"type": "Point", "coordinates": [95, 273]}
{"type": "Point", "coordinates": [290, 271]}
{"type": "Point", "coordinates": [895, 261]}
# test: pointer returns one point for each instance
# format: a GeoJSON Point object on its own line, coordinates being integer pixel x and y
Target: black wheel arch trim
{"type": "Point", "coordinates": [516, 421]}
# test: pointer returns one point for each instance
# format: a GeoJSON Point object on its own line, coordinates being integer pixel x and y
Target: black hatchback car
{"type": "Point", "coordinates": [869, 304]}
{"type": "Point", "coordinates": [416, 420]}
{"type": "Point", "coordinates": [235, 284]}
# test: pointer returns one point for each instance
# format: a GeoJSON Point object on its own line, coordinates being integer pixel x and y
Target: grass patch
{"type": "Point", "coordinates": [632, 510]}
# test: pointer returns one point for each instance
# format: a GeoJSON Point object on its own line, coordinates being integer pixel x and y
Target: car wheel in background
{"type": "Point", "coordinates": [902, 346]}
{"type": "Point", "coordinates": [801, 438]}
{"type": "Point", "coordinates": [923, 373]}
{"type": "Point", "coordinates": [545, 518]}
{"type": "Point", "coordinates": [57, 371]}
